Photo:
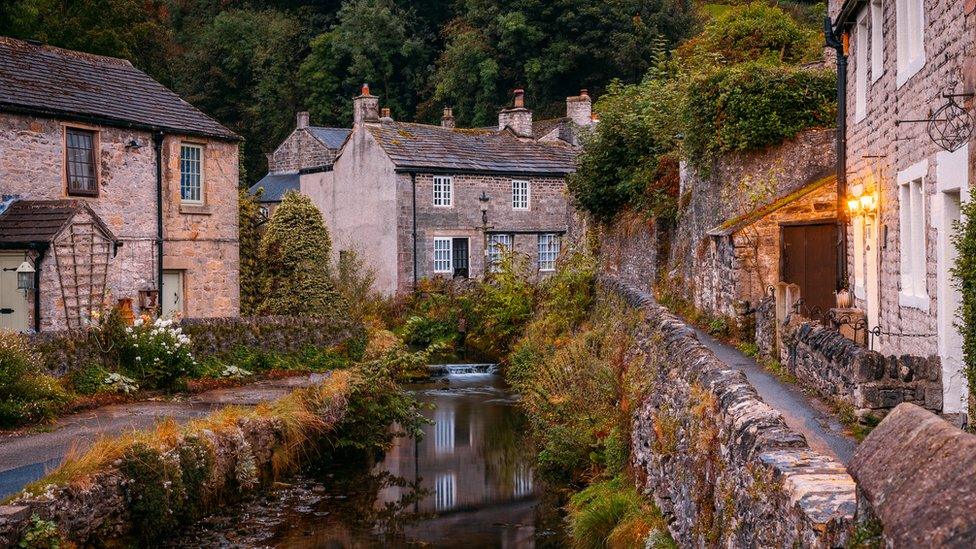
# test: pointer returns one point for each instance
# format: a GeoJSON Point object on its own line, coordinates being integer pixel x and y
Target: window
{"type": "Point", "coordinates": [910, 25]}
{"type": "Point", "coordinates": [443, 262]}
{"type": "Point", "coordinates": [445, 491]}
{"type": "Point", "coordinates": [520, 195]}
{"type": "Point", "coordinates": [443, 191]}
{"type": "Point", "coordinates": [861, 69]}
{"type": "Point", "coordinates": [911, 206]}
{"type": "Point", "coordinates": [877, 39]}
{"type": "Point", "coordinates": [548, 251]}
{"type": "Point", "coordinates": [191, 174]}
{"type": "Point", "coordinates": [80, 162]}
{"type": "Point", "coordinates": [498, 244]}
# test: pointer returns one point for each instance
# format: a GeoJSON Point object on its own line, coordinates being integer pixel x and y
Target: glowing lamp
{"type": "Point", "coordinates": [854, 206]}
{"type": "Point", "coordinates": [25, 276]}
{"type": "Point", "coordinates": [869, 203]}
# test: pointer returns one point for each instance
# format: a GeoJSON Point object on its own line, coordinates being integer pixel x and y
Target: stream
{"type": "Point", "coordinates": [469, 482]}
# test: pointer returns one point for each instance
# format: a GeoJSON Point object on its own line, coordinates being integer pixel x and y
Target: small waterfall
{"type": "Point", "coordinates": [443, 370]}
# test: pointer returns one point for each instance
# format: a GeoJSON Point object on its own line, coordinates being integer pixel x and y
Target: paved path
{"type": "Point", "coordinates": [25, 458]}
{"type": "Point", "coordinates": [812, 418]}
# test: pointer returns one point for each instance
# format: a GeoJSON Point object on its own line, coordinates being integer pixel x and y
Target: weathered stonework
{"type": "Point", "coordinates": [629, 251]}
{"type": "Point", "coordinates": [300, 150]}
{"type": "Point", "coordinates": [721, 464]}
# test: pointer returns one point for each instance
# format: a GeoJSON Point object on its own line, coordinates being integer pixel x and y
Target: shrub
{"type": "Point", "coordinates": [354, 282]}
{"type": "Point", "coordinates": [752, 106]}
{"type": "Point", "coordinates": [296, 250]}
{"type": "Point", "coordinates": [503, 305]}
{"type": "Point", "coordinates": [964, 274]}
{"type": "Point", "coordinates": [41, 534]}
{"type": "Point", "coordinates": [252, 271]}
{"type": "Point", "coordinates": [26, 395]}
{"type": "Point", "coordinates": [157, 354]}
{"type": "Point", "coordinates": [88, 380]}
{"type": "Point", "coordinates": [613, 514]}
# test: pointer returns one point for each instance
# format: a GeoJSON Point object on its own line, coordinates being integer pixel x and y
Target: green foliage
{"type": "Point", "coordinates": [154, 492]}
{"type": "Point", "coordinates": [436, 313]}
{"type": "Point", "coordinates": [503, 306]}
{"type": "Point", "coordinates": [754, 105]}
{"type": "Point", "coordinates": [88, 380]}
{"type": "Point", "coordinates": [354, 282]}
{"type": "Point", "coordinates": [295, 248]}
{"type": "Point", "coordinates": [157, 354]}
{"type": "Point", "coordinates": [41, 534]}
{"type": "Point", "coordinates": [26, 395]}
{"type": "Point", "coordinates": [964, 275]}
{"type": "Point", "coordinates": [252, 270]}
{"type": "Point", "coordinates": [309, 359]}
{"type": "Point", "coordinates": [613, 514]}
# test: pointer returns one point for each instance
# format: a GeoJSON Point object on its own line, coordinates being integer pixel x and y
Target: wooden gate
{"type": "Point", "coordinates": [808, 258]}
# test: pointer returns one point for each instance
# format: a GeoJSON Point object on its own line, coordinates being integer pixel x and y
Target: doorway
{"type": "Point", "coordinates": [459, 249]}
{"type": "Point", "coordinates": [172, 295]}
{"type": "Point", "coordinates": [14, 312]}
{"type": "Point", "coordinates": [808, 258]}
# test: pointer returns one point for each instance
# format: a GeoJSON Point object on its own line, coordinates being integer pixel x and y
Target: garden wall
{"type": "Point", "coordinates": [629, 251]}
{"type": "Point", "coordinates": [837, 368]}
{"type": "Point", "coordinates": [917, 475]}
{"type": "Point", "coordinates": [722, 465]}
{"type": "Point", "coordinates": [65, 351]}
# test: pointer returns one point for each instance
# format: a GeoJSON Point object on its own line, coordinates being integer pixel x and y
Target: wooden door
{"type": "Point", "coordinates": [808, 258]}
{"type": "Point", "coordinates": [172, 298]}
{"type": "Point", "coordinates": [13, 302]}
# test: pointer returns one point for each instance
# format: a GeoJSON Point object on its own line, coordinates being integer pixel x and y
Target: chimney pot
{"type": "Point", "coordinates": [518, 118]}
{"type": "Point", "coordinates": [364, 90]}
{"type": "Point", "coordinates": [584, 93]}
{"type": "Point", "coordinates": [365, 108]}
{"type": "Point", "coordinates": [520, 98]}
{"type": "Point", "coordinates": [386, 112]}
{"type": "Point", "coordinates": [302, 120]}
{"type": "Point", "coordinates": [579, 109]}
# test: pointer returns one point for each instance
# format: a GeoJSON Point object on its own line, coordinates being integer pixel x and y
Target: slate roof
{"type": "Point", "coordinates": [54, 82]}
{"type": "Point", "coordinates": [275, 186]}
{"type": "Point", "coordinates": [740, 222]}
{"type": "Point", "coordinates": [434, 147]}
{"type": "Point", "coordinates": [332, 138]}
{"type": "Point", "coordinates": [541, 128]}
{"type": "Point", "coordinates": [40, 221]}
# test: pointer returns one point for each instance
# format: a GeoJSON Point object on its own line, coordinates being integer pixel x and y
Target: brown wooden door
{"type": "Point", "coordinates": [809, 260]}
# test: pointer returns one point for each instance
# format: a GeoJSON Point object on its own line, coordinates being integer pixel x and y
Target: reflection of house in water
{"type": "Point", "coordinates": [467, 459]}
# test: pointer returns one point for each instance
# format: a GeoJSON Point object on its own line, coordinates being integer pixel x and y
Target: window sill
{"type": "Point", "coordinates": [195, 209]}
{"type": "Point", "coordinates": [908, 71]}
{"type": "Point", "coordinates": [920, 302]}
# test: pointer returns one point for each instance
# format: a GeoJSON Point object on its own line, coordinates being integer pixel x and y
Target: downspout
{"type": "Point", "coordinates": [833, 41]}
{"type": "Point", "coordinates": [413, 190]}
{"type": "Point", "coordinates": [37, 287]}
{"type": "Point", "coordinates": [158, 148]}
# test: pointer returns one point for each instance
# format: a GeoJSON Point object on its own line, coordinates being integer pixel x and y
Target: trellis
{"type": "Point", "coordinates": [82, 253]}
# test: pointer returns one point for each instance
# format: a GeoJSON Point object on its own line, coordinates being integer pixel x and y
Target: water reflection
{"type": "Point", "coordinates": [469, 482]}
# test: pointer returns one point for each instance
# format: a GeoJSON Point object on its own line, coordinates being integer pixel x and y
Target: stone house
{"type": "Point", "coordinates": [421, 201]}
{"type": "Point", "coordinates": [905, 178]}
{"type": "Point", "coordinates": [113, 188]}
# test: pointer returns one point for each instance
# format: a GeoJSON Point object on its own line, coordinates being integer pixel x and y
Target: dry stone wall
{"type": "Point", "coordinates": [722, 465]}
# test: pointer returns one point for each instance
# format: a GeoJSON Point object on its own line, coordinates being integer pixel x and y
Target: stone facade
{"type": "Point", "coordinates": [199, 241]}
{"type": "Point", "coordinates": [885, 159]}
{"type": "Point", "coordinates": [629, 251]}
{"type": "Point", "coordinates": [722, 465]}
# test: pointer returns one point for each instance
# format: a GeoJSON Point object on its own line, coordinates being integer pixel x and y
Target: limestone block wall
{"type": "Point", "coordinates": [300, 150]}
{"type": "Point", "coordinates": [629, 251]}
{"type": "Point", "coordinates": [722, 465]}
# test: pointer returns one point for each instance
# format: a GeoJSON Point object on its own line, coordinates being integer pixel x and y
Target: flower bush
{"type": "Point", "coordinates": [26, 395]}
{"type": "Point", "coordinates": [157, 353]}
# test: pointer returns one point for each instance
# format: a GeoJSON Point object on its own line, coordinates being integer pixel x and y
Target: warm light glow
{"type": "Point", "coordinates": [869, 203]}
{"type": "Point", "coordinates": [854, 206]}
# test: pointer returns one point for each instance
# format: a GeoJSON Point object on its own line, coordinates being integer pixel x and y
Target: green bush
{"type": "Point", "coordinates": [752, 106]}
{"type": "Point", "coordinates": [41, 534]}
{"type": "Point", "coordinates": [503, 305]}
{"type": "Point", "coordinates": [613, 514]}
{"type": "Point", "coordinates": [88, 380]}
{"type": "Point", "coordinates": [157, 354]}
{"type": "Point", "coordinates": [26, 395]}
{"type": "Point", "coordinates": [964, 273]}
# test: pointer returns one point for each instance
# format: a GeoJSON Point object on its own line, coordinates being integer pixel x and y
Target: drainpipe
{"type": "Point", "coordinates": [37, 287]}
{"type": "Point", "coordinates": [413, 190]}
{"type": "Point", "coordinates": [833, 41]}
{"type": "Point", "coordinates": [158, 148]}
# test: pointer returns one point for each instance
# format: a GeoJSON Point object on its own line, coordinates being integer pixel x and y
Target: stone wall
{"type": "Point", "coordinates": [300, 150]}
{"type": "Point", "coordinates": [63, 352]}
{"type": "Point", "coordinates": [839, 369]}
{"type": "Point", "coordinates": [629, 251]}
{"type": "Point", "coordinates": [766, 328]}
{"type": "Point", "coordinates": [917, 475]}
{"type": "Point", "coordinates": [722, 465]}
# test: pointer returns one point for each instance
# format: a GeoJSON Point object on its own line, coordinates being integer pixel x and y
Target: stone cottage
{"type": "Point", "coordinates": [421, 201]}
{"type": "Point", "coordinates": [907, 175]}
{"type": "Point", "coordinates": [113, 188]}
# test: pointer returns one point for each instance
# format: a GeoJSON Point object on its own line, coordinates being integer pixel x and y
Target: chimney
{"type": "Point", "coordinates": [447, 121]}
{"type": "Point", "coordinates": [365, 108]}
{"type": "Point", "coordinates": [518, 118]}
{"type": "Point", "coordinates": [579, 109]}
{"type": "Point", "coordinates": [385, 115]}
{"type": "Point", "coordinates": [302, 120]}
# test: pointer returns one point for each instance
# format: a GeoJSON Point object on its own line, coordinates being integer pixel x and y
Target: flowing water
{"type": "Point", "coordinates": [468, 483]}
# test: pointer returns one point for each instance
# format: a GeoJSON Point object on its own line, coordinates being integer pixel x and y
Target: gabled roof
{"type": "Point", "coordinates": [275, 186]}
{"type": "Point", "coordinates": [27, 222]}
{"type": "Point", "coordinates": [332, 138]}
{"type": "Point", "coordinates": [738, 223]}
{"type": "Point", "coordinates": [54, 82]}
{"type": "Point", "coordinates": [419, 146]}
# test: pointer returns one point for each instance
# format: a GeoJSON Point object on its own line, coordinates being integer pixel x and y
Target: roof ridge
{"type": "Point", "coordinates": [38, 45]}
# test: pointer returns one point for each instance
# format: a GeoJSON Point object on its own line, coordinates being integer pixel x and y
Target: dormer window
{"type": "Point", "coordinates": [80, 162]}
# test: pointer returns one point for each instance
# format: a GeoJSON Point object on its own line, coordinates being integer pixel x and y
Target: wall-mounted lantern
{"type": "Point", "coordinates": [25, 276]}
{"type": "Point", "coordinates": [864, 205]}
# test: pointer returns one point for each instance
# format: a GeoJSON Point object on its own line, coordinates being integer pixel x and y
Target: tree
{"type": "Point", "coordinates": [251, 220]}
{"type": "Point", "coordinates": [295, 250]}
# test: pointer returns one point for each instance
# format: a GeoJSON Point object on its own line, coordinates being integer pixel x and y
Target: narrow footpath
{"type": "Point", "coordinates": [28, 457]}
{"type": "Point", "coordinates": [811, 417]}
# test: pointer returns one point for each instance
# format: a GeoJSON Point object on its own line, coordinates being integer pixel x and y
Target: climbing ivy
{"type": "Point", "coordinates": [964, 273]}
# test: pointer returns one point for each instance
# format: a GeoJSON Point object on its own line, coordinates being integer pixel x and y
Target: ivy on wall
{"type": "Point", "coordinates": [964, 273]}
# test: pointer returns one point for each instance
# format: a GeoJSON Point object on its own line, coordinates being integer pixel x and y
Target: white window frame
{"type": "Point", "coordinates": [548, 256]}
{"type": "Point", "coordinates": [201, 184]}
{"type": "Point", "coordinates": [877, 39]}
{"type": "Point", "coordinates": [440, 259]}
{"type": "Point", "coordinates": [910, 34]}
{"type": "Point", "coordinates": [495, 248]}
{"type": "Point", "coordinates": [443, 191]}
{"type": "Point", "coordinates": [861, 68]}
{"type": "Point", "coordinates": [518, 204]}
{"type": "Point", "coordinates": [858, 230]}
{"type": "Point", "coordinates": [912, 237]}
